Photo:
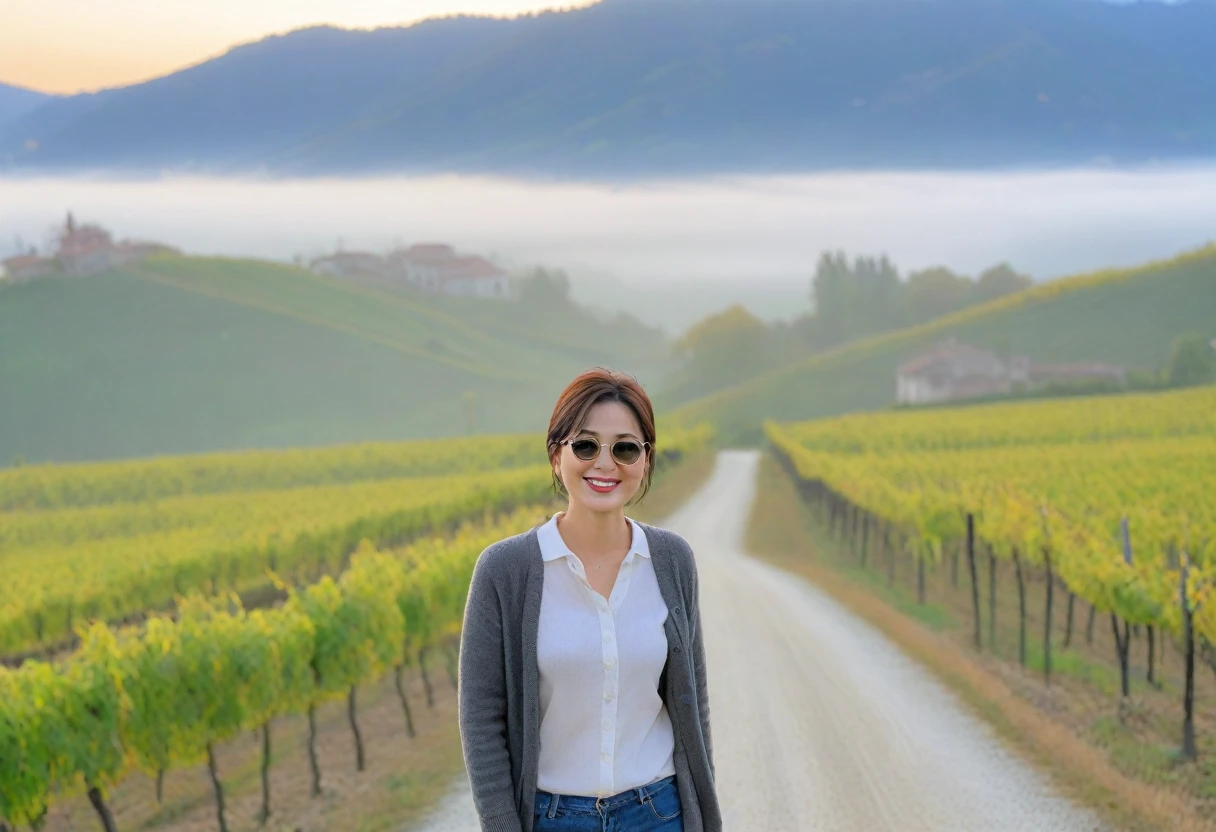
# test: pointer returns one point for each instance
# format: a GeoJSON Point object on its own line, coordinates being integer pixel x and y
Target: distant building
{"type": "Point", "coordinates": [26, 267]}
{"type": "Point", "coordinates": [1082, 371]}
{"type": "Point", "coordinates": [436, 268]}
{"type": "Point", "coordinates": [952, 370]}
{"type": "Point", "coordinates": [82, 250]}
{"type": "Point", "coordinates": [422, 266]}
{"type": "Point", "coordinates": [351, 264]}
{"type": "Point", "coordinates": [85, 249]}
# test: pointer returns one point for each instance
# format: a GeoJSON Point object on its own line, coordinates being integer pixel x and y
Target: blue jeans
{"type": "Point", "coordinates": [653, 808]}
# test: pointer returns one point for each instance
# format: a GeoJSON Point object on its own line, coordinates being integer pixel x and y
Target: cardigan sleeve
{"type": "Point", "coordinates": [698, 652]}
{"type": "Point", "coordinates": [483, 703]}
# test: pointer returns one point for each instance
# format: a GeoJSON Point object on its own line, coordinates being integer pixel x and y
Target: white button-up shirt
{"type": "Point", "coordinates": [603, 726]}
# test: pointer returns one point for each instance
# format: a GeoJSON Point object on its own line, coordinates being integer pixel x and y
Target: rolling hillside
{"type": "Point", "coordinates": [188, 355]}
{"type": "Point", "coordinates": [625, 88]}
{"type": "Point", "coordinates": [1127, 317]}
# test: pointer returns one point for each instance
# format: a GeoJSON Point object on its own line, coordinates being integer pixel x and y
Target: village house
{"type": "Point", "coordinates": [82, 250]}
{"type": "Point", "coordinates": [351, 264]}
{"type": "Point", "coordinates": [953, 371]}
{"type": "Point", "coordinates": [432, 268]}
{"type": "Point", "coordinates": [436, 268]}
{"type": "Point", "coordinates": [1041, 374]}
{"type": "Point", "coordinates": [26, 267]}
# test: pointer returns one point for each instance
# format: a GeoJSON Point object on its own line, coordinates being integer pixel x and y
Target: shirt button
{"type": "Point", "coordinates": [607, 725]}
{"type": "Point", "coordinates": [676, 649]}
{"type": "Point", "coordinates": [686, 699]}
{"type": "Point", "coordinates": [608, 664]}
{"type": "Point", "coordinates": [607, 697]}
{"type": "Point", "coordinates": [607, 638]}
{"type": "Point", "coordinates": [606, 757]}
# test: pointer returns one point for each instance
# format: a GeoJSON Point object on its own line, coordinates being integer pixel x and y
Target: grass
{"type": "Point", "coordinates": [1104, 769]}
{"type": "Point", "coordinates": [191, 355]}
{"type": "Point", "coordinates": [1126, 317]}
{"type": "Point", "coordinates": [1065, 662]}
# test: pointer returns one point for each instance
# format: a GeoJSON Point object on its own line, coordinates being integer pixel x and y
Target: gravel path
{"type": "Point", "coordinates": [819, 722]}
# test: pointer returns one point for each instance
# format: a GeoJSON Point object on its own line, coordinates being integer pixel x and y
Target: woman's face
{"type": "Point", "coordinates": [603, 484]}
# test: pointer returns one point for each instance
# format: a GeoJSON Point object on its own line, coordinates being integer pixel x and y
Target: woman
{"type": "Point", "coordinates": [583, 702]}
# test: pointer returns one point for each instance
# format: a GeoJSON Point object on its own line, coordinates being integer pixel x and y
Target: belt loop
{"type": "Point", "coordinates": [641, 794]}
{"type": "Point", "coordinates": [553, 803]}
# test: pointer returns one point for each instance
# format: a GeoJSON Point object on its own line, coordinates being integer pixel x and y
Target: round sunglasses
{"type": "Point", "coordinates": [624, 451]}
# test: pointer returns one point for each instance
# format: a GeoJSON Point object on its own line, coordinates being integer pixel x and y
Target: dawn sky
{"type": "Point", "coordinates": [82, 45]}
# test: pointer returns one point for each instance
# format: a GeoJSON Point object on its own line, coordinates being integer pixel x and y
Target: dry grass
{"type": "Point", "coordinates": [783, 531]}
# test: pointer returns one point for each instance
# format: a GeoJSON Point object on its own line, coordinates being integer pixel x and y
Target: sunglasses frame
{"type": "Point", "coordinates": [609, 445]}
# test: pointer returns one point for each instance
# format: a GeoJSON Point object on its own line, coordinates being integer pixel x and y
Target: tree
{"type": "Point", "coordinates": [724, 348]}
{"type": "Point", "coordinates": [998, 281]}
{"type": "Point", "coordinates": [933, 292]}
{"type": "Point", "coordinates": [1192, 361]}
{"type": "Point", "coordinates": [545, 287]}
{"type": "Point", "coordinates": [851, 301]}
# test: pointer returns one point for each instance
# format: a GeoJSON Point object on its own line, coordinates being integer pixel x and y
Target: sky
{"type": "Point", "coordinates": [68, 46]}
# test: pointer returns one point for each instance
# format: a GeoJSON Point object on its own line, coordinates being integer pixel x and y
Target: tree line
{"type": "Point", "coordinates": [850, 299]}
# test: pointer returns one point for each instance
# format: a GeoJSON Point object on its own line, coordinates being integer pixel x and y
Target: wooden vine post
{"type": "Point", "coordinates": [1123, 638]}
{"type": "Point", "coordinates": [991, 598]}
{"type": "Point", "coordinates": [975, 586]}
{"type": "Point", "coordinates": [1189, 751]}
{"type": "Point", "coordinates": [1017, 571]}
{"type": "Point", "coordinates": [1050, 582]}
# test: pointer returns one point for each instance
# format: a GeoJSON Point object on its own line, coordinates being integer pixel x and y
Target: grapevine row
{"type": "Point", "coordinates": [163, 695]}
{"type": "Point", "coordinates": [133, 535]}
{"type": "Point", "coordinates": [1113, 501]}
{"type": "Point", "coordinates": [75, 485]}
{"type": "Point", "coordinates": [222, 543]}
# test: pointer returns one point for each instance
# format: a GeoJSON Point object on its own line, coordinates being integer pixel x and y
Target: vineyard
{"type": "Point", "coordinates": [368, 550]}
{"type": "Point", "coordinates": [1105, 502]}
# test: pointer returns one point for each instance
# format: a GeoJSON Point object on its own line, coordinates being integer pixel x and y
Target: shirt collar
{"type": "Point", "coordinates": [552, 546]}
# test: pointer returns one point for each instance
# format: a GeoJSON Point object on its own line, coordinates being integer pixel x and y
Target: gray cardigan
{"type": "Point", "coordinates": [499, 686]}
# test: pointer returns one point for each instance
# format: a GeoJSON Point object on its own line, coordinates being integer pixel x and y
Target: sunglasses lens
{"type": "Point", "coordinates": [627, 452]}
{"type": "Point", "coordinates": [585, 449]}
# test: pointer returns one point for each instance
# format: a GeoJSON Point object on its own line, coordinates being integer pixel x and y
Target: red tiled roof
{"type": "Point", "coordinates": [940, 353]}
{"type": "Point", "coordinates": [430, 254]}
{"type": "Point", "coordinates": [471, 268]}
{"type": "Point", "coordinates": [22, 260]}
{"type": "Point", "coordinates": [1078, 369]}
{"type": "Point", "coordinates": [84, 240]}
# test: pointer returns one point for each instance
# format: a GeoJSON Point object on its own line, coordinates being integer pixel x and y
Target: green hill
{"type": "Point", "coordinates": [1127, 317]}
{"type": "Point", "coordinates": [182, 355]}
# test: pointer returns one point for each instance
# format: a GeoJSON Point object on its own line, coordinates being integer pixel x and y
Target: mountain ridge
{"type": "Point", "coordinates": [16, 102]}
{"type": "Point", "coordinates": [679, 87]}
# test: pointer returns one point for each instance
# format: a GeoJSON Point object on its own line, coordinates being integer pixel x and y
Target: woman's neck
{"type": "Point", "coordinates": [595, 533]}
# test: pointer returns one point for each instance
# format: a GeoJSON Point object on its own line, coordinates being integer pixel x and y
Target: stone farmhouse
{"type": "Point", "coordinates": [431, 268]}
{"type": "Point", "coordinates": [953, 371]}
{"type": "Point", "coordinates": [81, 250]}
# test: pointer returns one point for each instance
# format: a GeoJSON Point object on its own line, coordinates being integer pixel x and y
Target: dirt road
{"type": "Point", "coordinates": [820, 723]}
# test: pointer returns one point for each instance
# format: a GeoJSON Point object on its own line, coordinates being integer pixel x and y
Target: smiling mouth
{"type": "Point", "coordinates": [601, 486]}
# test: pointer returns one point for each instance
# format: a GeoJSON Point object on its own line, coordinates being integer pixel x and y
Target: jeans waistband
{"type": "Point", "coordinates": [547, 801]}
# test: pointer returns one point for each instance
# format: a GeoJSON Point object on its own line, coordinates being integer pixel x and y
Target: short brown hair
{"type": "Point", "coordinates": [586, 391]}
